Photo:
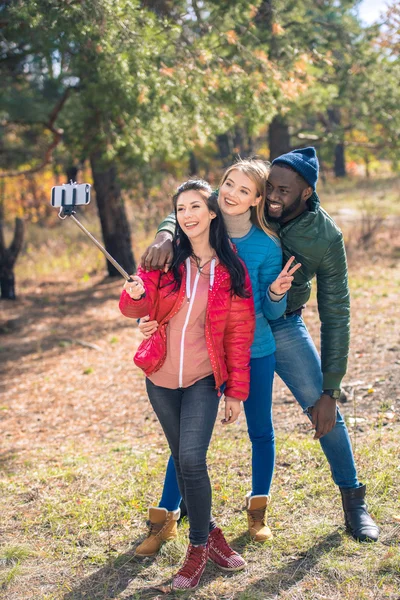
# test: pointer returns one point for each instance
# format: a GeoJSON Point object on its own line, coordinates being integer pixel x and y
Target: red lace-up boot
{"type": "Point", "coordinates": [222, 554]}
{"type": "Point", "coordinates": [188, 576]}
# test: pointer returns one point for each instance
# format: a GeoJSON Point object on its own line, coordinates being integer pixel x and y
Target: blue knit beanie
{"type": "Point", "coordinates": [304, 161]}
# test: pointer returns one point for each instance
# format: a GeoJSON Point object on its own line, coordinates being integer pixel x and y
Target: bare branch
{"type": "Point", "coordinates": [47, 158]}
{"type": "Point", "coordinates": [57, 137]}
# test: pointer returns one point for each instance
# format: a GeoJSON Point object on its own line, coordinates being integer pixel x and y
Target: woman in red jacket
{"type": "Point", "coordinates": [205, 312]}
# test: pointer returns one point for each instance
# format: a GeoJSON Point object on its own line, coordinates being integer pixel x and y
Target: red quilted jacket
{"type": "Point", "coordinates": [230, 325]}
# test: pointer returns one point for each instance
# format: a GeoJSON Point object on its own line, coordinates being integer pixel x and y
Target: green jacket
{"type": "Point", "coordinates": [316, 241]}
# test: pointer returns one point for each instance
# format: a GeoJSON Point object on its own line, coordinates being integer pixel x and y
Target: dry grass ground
{"type": "Point", "coordinates": [82, 454]}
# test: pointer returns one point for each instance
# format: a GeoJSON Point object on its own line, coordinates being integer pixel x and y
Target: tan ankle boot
{"type": "Point", "coordinates": [163, 527]}
{"type": "Point", "coordinates": [256, 507]}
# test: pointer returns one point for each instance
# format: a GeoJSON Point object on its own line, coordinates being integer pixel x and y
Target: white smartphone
{"type": "Point", "coordinates": [70, 194]}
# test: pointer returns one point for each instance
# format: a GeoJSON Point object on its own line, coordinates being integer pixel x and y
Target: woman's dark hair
{"type": "Point", "coordinates": [219, 239]}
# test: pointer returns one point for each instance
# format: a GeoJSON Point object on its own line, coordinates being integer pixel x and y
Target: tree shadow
{"type": "Point", "coordinates": [294, 571]}
{"type": "Point", "coordinates": [20, 336]}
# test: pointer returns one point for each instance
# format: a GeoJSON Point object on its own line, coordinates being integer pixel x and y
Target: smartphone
{"type": "Point", "coordinates": [70, 194]}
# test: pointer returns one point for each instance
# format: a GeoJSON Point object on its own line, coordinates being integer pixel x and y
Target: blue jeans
{"type": "Point", "coordinates": [187, 416]}
{"type": "Point", "coordinates": [298, 364]}
{"type": "Point", "coordinates": [258, 410]}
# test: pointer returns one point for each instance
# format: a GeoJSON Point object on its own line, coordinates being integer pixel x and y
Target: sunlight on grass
{"type": "Point", "coordinates": [91, 507]}
{"type": "Point", "coordinates": [13, 554]}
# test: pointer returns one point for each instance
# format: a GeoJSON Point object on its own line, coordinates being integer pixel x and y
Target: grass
{"type": "Point", "coordinates": [89, 507]}
{"type": "Point", "coordinates": [360, 194]}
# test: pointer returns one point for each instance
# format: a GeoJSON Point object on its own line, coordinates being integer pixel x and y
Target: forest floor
{"type": "Point", "coordinates": [82, 455]}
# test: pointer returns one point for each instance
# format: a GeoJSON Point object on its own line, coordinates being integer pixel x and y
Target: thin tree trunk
{"type": "Point", "coordinates": [367, 172]}
{"type": "Point", "coordinates": [278, 137]}
{"type": "Point", "coordinates": [339, 159]}
{"type": "Point", "coordinates": [193, 164]}
{"type": "Point", "coordinates": [8, 257]}
{"type": "Point", "coordinates": [111, 209]}
{"type": "Point", "coordinates": [339, 165]}
{"type": "Point", "coordinates": [225, 148]}
{"type": "Point", "coordinates": [278, 130]}
{"type": "Point", "coordinates": [71, 173]}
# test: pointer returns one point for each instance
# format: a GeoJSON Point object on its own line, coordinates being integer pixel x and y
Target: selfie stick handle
{"type": "Point", "coordinates": [103, 250]}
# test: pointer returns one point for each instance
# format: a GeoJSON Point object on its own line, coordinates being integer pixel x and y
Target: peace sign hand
{"type": "Point", "coordinates": [284, 280]}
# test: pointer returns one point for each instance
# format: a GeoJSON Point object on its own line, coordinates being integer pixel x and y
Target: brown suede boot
{"type": "Point", "coordinates": [163, 527]}
{"type": "Point", "coordinates": [256, 507]}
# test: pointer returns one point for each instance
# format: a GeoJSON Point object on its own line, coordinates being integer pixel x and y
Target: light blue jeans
{"type": "Point", "coordinates": [298, 364]}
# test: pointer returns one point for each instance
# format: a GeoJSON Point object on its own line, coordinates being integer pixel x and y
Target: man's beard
{"type": "Point", "coordinates": [289, 210]}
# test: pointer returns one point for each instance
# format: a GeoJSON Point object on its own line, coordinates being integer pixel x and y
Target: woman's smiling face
{"type": "Point", "coordinates": [193, 214]}
{"type": "Point", "coordinates": [237, 194]}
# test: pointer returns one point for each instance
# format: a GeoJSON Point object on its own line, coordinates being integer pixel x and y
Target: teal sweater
{"type": "Point", "coordinates": [263, 258]}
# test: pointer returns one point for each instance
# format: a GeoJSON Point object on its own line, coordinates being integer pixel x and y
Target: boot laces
{"type": "Point", "coordinates": [193, 561]}
{"type": "Point", "coordinates": [218, 539]}
{"type": "Point", "coordinates": [155, 528]}
{"type": "Point", "coordinates": [258, 514]}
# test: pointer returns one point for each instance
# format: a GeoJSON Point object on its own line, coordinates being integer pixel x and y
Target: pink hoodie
{"type": "Point", "coordinates": [187, 358]}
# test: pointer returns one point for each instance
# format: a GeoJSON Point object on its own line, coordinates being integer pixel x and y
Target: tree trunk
{"type": "Point", "coordinates": [367, 172]}
{"type": "Point", "coordinates": [114, 223]}
{"type": "Point", "coordinates": [278, 137]}
{"type": "Point", "coordinates": [339, 164]}
{"type": "Point", "coordinates": [8, 257]}
{"type": "Point", "coordinates": [71, 173]}
{"type": "Point", "coordinates": [193, 164]}
{"type": "Point", "coordinates": [7, 283]}
{"type": "Point", "coordinates": [339, 160]}
{"type": "Point", "coordinates": [225, 148]}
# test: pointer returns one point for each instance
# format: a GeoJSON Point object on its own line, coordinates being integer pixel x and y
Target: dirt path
{"type": "Point", "coordinates": [66, 363]}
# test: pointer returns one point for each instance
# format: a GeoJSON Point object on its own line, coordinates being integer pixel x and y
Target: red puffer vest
{"type": "Point", "coordinates": [230, 325]}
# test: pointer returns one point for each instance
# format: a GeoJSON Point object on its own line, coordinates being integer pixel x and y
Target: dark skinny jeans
{"type": "Point", "coordinates": [187, 416]}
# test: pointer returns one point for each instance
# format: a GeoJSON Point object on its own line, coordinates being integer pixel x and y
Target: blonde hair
{"type": "Point", "coordinates": [257, 170]}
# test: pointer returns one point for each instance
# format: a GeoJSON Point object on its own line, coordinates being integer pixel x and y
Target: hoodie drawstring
{"type": "Point", "coordinates": [188, 275]}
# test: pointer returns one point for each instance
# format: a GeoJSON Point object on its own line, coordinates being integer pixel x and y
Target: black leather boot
{"type": "Point", "coordinates": [358, 521]}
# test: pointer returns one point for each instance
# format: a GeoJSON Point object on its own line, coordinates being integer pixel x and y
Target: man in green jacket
{"type": "Point", "coordinates": [310, 234]}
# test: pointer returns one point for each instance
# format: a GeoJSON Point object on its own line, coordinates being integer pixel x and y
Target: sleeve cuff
{"type": "Point", "coordinates": [275, 297]}
{"type": "Point", "coordinates": [332, 381]}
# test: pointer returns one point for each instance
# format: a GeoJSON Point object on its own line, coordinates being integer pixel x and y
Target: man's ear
{"type": "Point", "coordinates": [307, 193]}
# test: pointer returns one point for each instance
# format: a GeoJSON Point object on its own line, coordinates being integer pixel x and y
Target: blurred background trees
{"type": "Point", "coordinates": [133, 93]}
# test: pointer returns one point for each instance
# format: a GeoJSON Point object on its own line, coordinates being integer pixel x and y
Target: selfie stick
{"type": "Point", "coordinates": [68, 211]}
{"type": "Point", "coordinates": [100, 247]}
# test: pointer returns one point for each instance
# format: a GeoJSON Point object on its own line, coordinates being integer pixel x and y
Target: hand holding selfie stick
{"type": "Point", "coordinates": [67, 197]}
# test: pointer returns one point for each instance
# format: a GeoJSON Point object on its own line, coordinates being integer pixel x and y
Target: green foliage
{"type": "Point", "coordinates": [137, 85]}
{"type": "Point", "coordinates": [140, 82]}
